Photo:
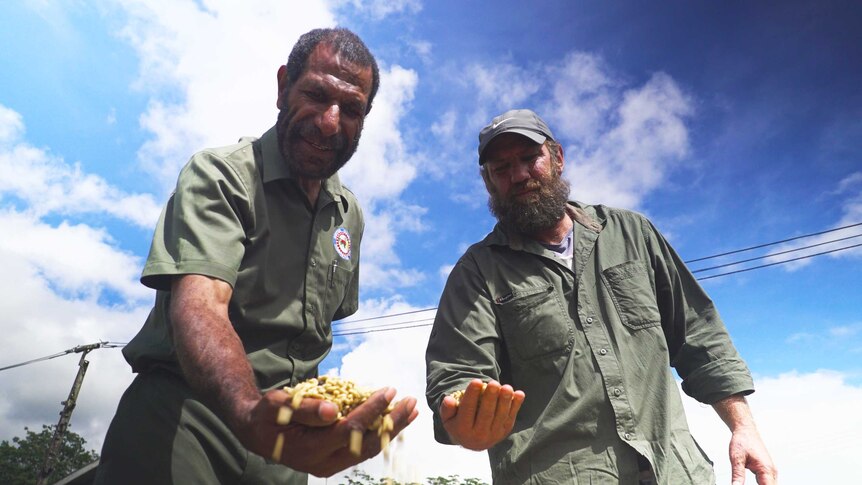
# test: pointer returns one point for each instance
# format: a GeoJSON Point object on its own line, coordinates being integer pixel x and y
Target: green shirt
{"type": "Point", "coordinates": [238, 215]}
{"type": "Point", "coordinates": [591, 346]}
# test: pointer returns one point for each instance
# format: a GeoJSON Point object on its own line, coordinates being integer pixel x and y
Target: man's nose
{"type": "Point", "coordinates": [329, 121]}
{"type": "Point", "coordinates": [520, 172]}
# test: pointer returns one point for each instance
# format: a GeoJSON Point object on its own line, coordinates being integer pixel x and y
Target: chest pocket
{"type": "Point", "coordinates": [338, 281]}
{"type": "Point", "coordinates": [533, 321]}
{"type": "Point", "coordinates": [633, 295]}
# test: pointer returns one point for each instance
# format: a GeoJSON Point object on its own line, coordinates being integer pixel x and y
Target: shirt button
{"type": "Point", "coordinates": [603, 351]}
{"type": "Point", "coordinates": [313, 263]}
{"type": "Point", "coordinates": [617, 392]}
{"type": "Point", "coordinates": [589, 320]}
{"type": "Point", "coordinates": [311, 308]}
{"type": "Point", "coordinates": [627, 436]}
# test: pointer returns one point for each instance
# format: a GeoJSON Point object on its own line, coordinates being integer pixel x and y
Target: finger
{"type": "Point", "coordinates": [364, 415]}
{"type": "Point", "coordinates": [487, 406]}
{"type": "Point", "coordinates": [737, 469]}
{"type": "Point", "coordinates": [448, 408]}
{"type": "Point", "coordinates": [504, 403]}
{"type": "Point", "coordinates": [470, 404]}
{"type": "Point", "coordinates": [314, 412]}
{"type": "Point", "coordinates": [765, 475]}
{"type": "Point", "coordinates": [517, 400]}
{"type": "Point", "coordinates": [403, 414]}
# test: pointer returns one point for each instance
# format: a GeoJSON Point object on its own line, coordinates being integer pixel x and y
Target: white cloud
{"type": "Point", "coordinates": [607, 126]}
{"type": "Point", "coordinates": [77, 259]}
{"type": "Point", "coordinates": [845, 331]}
{"type": "Point", "coordinates": [501, 87]}
{"type": "Point", "coordinates": [379, 9]}
{"type": "Point", "coordinates": [444, 127]}
{"type": "Point", "coordinates": [584, 93]}
{"type": "Point", "coordinates": [48, 185]}
{"type": "Point", "coordinates": [52, 280]}
{"type": "Point", "coordinates": [645, 138]}
{"type": "Point", "coordinates": [445, 270]}
{"type": "Point", "coordinates": [210, 70]}
{"type": "Point", "coordinates": [809, 422]}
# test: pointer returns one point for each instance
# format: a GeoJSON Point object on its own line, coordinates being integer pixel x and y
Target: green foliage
{"type": "Point", "coordinates": [22, 459]}
{"type": "Point", "coordinates": [359, 477]}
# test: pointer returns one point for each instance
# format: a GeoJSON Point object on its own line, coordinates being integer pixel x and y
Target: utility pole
{"type": "Point", "coordinates": [66, 413]}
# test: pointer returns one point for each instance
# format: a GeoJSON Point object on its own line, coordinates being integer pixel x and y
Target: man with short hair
{"type": "Point", "coordinates": [255, 254]}
{"type": "Point", "coordinates": [562, 325]}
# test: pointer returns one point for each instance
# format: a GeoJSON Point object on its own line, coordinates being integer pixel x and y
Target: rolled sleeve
{"type": "Point", "coordinates": [700, 347]}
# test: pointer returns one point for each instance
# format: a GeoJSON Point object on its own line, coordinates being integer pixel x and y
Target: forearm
{"type": "Point", "coordinates": [734, 411]}
{"type": "Point", "coordinates": [209, 351]}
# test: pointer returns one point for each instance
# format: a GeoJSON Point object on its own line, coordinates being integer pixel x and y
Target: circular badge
{"type": "Point", "coordinates": [341, 241]}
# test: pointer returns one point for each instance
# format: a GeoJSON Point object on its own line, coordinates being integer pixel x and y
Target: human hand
{"type": "Point", "coordinates": [747, 450]}
{"type": "Point", "coordinates": [314, 441]}
{"type": "Point", "coordinates": [483, 418]}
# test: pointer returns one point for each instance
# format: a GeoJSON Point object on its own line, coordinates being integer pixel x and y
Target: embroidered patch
{"type": "Point", "coordinates": [341, 241]}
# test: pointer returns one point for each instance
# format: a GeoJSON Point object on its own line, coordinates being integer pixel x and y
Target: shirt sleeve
{"type": "Point", "coordinates": [700, 348]}
{"type": "Point", "coordinates": [465, 340]}
{"type": "Point", "coordinates": [201, 228]}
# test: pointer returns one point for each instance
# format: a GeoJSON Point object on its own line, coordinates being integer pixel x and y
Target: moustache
{"type": "Point", "coordinates": [311, 134]}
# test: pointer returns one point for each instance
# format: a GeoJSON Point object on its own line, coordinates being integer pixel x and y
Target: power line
{"type": "Point", "coordinates": [383, 316]}
{"type": "Point", "coordinates": [76, 349]}
{"type": "Point", "coordinates": [773, 243]}
{"type": "Point", "coordinates": [770, 255]}
{"type": "Point", "coordinates": [380, 330]}
{"type": "Point", "coordinates": [779, 262]}
{"type": "Point", "coordinates": [383, 325]}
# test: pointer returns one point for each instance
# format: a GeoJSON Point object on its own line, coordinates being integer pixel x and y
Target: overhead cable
{"type": "Point", "coordinates": [770, 255]}
{"type": "Point", "coordinates": [76, 349]}
{"type": "Point", "coordinates": [779, 262]}
{"type": "Point", "coordinates": [773, 243]}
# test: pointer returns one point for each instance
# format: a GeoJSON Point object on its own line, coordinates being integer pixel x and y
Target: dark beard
{"type": "Point", "coordinates": [543, 212]}
{"type": "Point", "coordinates": [289, 133]}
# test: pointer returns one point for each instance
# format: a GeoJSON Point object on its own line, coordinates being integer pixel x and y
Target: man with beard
{"type": "Point", "coordinates": [255, 254]}
{"type": "Point", "coordinates": [562, 326]}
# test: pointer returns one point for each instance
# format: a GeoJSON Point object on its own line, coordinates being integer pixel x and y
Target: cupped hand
{"type": "Point", "coordinates": [315, 441]}
{"type": "Point", "coordinates": [483, 417]}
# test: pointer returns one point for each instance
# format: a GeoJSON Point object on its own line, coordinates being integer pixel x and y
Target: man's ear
{"type": "Point", "coordinates": [562, 161]}
{"type": "Point", "coordinates": [282, 86]}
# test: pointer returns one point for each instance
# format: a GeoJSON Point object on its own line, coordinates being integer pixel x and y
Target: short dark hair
{"type": "Point", "coordinates": [345, 43]}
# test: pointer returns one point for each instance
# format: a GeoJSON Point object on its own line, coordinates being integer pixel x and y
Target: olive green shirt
{"type": "Point", "coordinates": [591, 346]}
{"type": "Point", "coordinates": [238, 215]}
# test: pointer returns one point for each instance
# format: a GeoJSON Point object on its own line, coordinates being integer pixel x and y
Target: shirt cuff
{"type": "Point", "coordinates": [718, 380]}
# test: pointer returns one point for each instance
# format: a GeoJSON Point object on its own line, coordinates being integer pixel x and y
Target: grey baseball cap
{"type": "Point", "coordinates": [521, 121]}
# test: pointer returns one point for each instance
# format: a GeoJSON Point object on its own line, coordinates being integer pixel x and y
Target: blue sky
{"type": "Point", "coordinates": [729, 124]}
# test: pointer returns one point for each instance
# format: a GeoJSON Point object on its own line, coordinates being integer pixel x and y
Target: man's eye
{"type": "Point", "coordinates": [354, 111]}
{"type": "Point", "coordinates": [314, 95]}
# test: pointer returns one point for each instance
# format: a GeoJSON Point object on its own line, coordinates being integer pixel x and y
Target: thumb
{"type": "Point", "coordinates": [448, 408]}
